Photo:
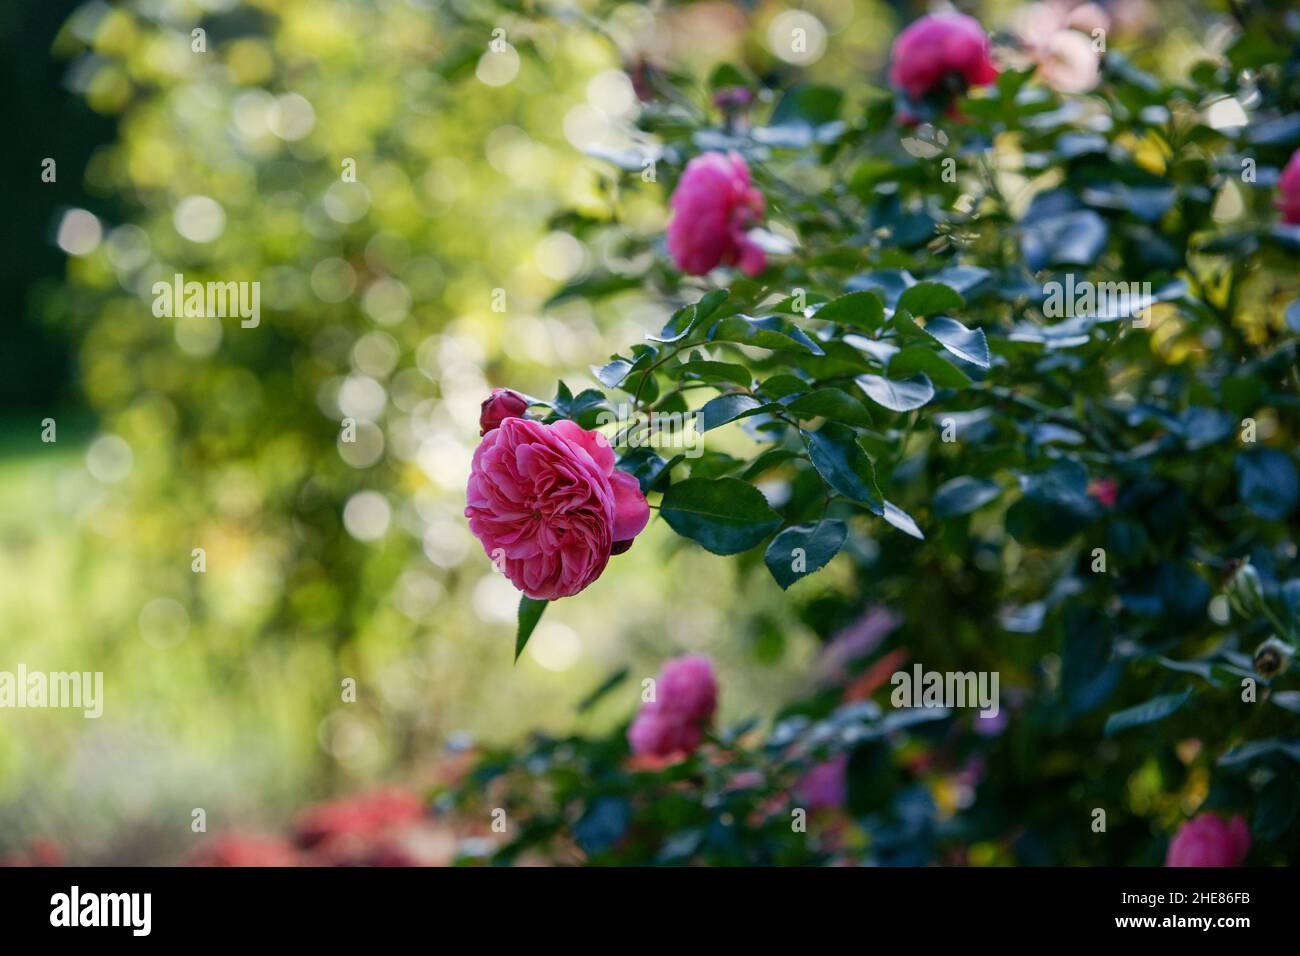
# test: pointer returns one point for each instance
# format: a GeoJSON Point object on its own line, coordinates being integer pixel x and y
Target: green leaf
{"type": "Point", "coordinates": [930, 298]}
{"type": "Point", "coordinates": [901, 520]}
{"type": "Point", "coordinates": [530, 612]}
{"type": "Point", "coordinates": [612, 374]}
{"type": "Point", "coordinates": [921, 358]}
{"type": "Point", "coordinates": [967, 344]}
{"type": "Point", "coordinates": [709, 371]}
{"type": "Point", "coordinates": [832, 403]}
{"type": "Point", "coordinates": [843, 464]}
{"type": "Point", "coordinates": [727, 408]}
{"type": "Point", "coordinates": [862, 310]}
{"type": "Point", "coordinates": [963, 495]}
{"type": "Point", "coordinates": [1158, 708]}
{"type": "Point", "coordinates": [902, 395]}
{"type": "Point", "coordinates": [1255, 749]}
{"type": "Point", "coordinates": [783, 384]}
{"type": "Point", "coordinates": [1268, 483]}
{"type": "Point", "coordinates": [725, 515]}
{"type": "Point", "coordinates": [599, 694]}
{"type": "Point", "coordinates": [816, 543]}
{"type": "Point", "coordinates": [689, 317]}
{"type": "Point", "coordinates": [771, 332]}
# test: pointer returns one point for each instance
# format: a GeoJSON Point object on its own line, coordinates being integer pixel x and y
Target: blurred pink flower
{"type": "Point", "coordinates": [245, 849]}
{"type": "Point", "coordinates": [362, 815]}
{"type": "Point", "coordinates": [497, 407]}
{"type": "Point", "coordinates": [1288, 190]}
{"type": "Point", "coordinates": [548, 502]}
{"type": "Point", "coordinates": [714, 206]}
{"type": "Point", "coordinates": [854, 642]}
{"type": "Point", "coordinates": [1104, 490]}
{"type": "Point", "coordinates": [941, 51]}
{"type": "Point", "coordinates": [1050, 33]}
{"type": "Point", "coordinates": [1206, 840]}
{"type": "Point", "coordinates": [824, 786]}
{"type": "Point", "coordinates": [686, 695]}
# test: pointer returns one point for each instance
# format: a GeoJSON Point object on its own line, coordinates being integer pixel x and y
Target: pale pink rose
{"type": "Point", "coordinates": [941, 52]}
{"type": "Point", "coordinates": [497, 407]}
{"type": "Point", "coordinates": [548, 501]}
{"type": "Point", "coordinates": [1050, 35]}
{"type": "Point", "coordinates": [686, 695]}
{"type": "Point", "coordinates": [1069, 63]}
{"type": "Point", "coordinates": [714, 206]}
{"type": "Point", "coordinates": [1207, 840]}
{"type": "Point", "coordinates": [1089, 17]}
{"type": "Point", "coordinates": [824, 786]}
{"type": "Point", "coordinates": [1288, 190]}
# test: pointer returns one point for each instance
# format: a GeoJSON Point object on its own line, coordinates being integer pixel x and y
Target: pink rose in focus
{"type": "Point", "coordinates": [686, 695]}
{"type": "Point", "coordinates": [1288, 190]}
{"type": "Point", "coordinates": [824, 787]}
{"type": "Point", "coordinates": [548, 502]}
{"type": "Point", "coordinates": [497, 407]}
{"type": "Point", "coordinates": [941, 52]}
{"type": "Point", "coordinates": [1207, 840]}
{"type": "Point", "coordinates": [714, 206]}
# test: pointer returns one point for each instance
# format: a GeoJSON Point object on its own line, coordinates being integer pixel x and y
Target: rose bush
{"type": "Point", "coordinates": [1026, 378]}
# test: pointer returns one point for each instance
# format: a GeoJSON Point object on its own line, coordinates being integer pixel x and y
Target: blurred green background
{"type": "Point", "coordinates": [327, 560]}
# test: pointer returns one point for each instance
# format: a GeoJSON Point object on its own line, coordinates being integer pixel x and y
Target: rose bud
{"type": "Point", "coordinates": [497, 407]}
{"type": "Point", "coordinates": [1273, 657]}
{"type": "Point", "coordinates": [1244, 589]}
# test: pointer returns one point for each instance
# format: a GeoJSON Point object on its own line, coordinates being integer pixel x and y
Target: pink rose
{"type": "Point", "coordinates": [941, 51]}
{"type": "Point", "coordinates": [548, 500]}
{"type": "Point", "coordinates": [714, 206]}
{"type": "Point", "coordinates": [1288, 190]}
{"type": "Point", "coordinates": [497, 407]}
{"type": "Point", "coordinates": [1207, 841]}
{"type": "Point", "coordinates": [686, 695]}
{"type": "Point", "coordinates": [1050, 33]}
{"type": "Point", "coordinates": [824, 786]}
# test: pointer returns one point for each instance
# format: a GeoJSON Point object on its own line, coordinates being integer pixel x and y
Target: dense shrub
{"type": "Point", "coordinates": [992, 378]}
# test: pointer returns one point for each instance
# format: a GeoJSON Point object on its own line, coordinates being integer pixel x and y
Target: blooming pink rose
{"type": "Point", "coordinates": [548, 500]}
{"type": "Point", "coordinates": [1207, 841]}
{"type": "Point", "coordinates": [1288, 190]}
{"type": "Point", "coordinates": [941, 51]}
{"type": "Point", "coordinates": [686, 696]}
{"type": "Point", "coordinates": [824, 786]}
{"type": "Point", "coordinates": [497, 407]}
{"type": "Point", "coordinates": [714, 206]}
